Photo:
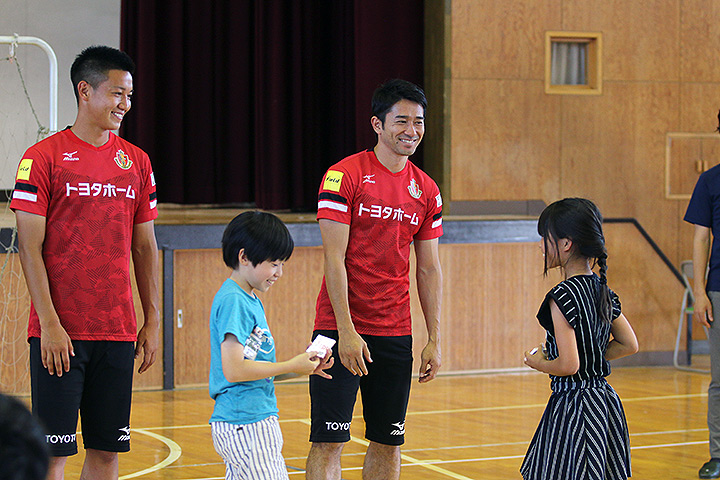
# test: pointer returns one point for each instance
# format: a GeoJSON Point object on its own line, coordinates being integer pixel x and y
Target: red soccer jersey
{"type": "Point", "coordinates": [91, 197]}
{"type": "Point", "coordinates": [386, 211]}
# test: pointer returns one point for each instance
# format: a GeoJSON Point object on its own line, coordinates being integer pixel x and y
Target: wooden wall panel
{"type": "Point", "coordinates": [640, 39]}
{"type": "Point", "coordinates": [699, 30]}
{"type": "Point", "coordinates": [650, 295]}
{"type": "Point", "coordinates": [660, 75]}
{"type": "Point", "coordinates": [198, 275]}
{"type": "Point", "coordinates": [491, 295]}
{"type": "Point", "coordinates": [506, 143]}
{"type": "Point", "coordinates": [614, 153]}
{"type": "Point", "coordinates": [501, 39]}
{"type": "Point", "coordinates": [682, 157]}
{"type": "Point", "coordinates": [699, 105]}
{"type": "Point", "coordinates": [614, 145]}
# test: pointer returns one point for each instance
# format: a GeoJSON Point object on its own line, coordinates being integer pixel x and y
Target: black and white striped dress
{"type": "Point", "coordinates": [583, 433]}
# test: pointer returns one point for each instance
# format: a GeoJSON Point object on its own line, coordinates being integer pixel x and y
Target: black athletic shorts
{"type": "Point", "coordinates": [385, 391]}
{"type": "Point", "coordinates": [98, 385]}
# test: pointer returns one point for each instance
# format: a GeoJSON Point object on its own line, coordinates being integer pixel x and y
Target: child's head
{"type": "Point", "coordinates": [578, 220]}
{"type": "Point", "coordinates": [262, 236]}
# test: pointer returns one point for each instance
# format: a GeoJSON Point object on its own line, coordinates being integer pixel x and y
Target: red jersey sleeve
{"type": "Point", "coordinates": [147, 208]}
{"type": "Point", "coordinates": [432, 223]}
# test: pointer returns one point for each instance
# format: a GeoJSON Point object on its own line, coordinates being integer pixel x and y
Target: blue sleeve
{"type": "Point", "coordinates": [234, 317]}
{"type": "Point", "coordinates": [699, 210]}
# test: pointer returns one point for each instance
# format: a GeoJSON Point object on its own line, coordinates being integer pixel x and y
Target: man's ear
{"type": "Point", "coordinates": [376, 124]}
{"type": "Point", "coordinates": [83, 89]}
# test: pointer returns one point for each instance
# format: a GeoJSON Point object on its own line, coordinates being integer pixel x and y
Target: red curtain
{"type": "Point", "coordinates": [249, 102]}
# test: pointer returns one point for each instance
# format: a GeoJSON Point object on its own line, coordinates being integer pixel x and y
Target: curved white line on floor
{"type": "Point", "coordinates": [175, 452]}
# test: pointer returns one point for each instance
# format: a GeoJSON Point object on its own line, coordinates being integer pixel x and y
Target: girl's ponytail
{"type": "Point", "coordinates": [605, 307]}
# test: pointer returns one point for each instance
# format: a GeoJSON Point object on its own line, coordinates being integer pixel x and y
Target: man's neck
{"type": "Point", "coordinates": [92, 135]}
{"type": "Point", "coordinates": [390, 160]}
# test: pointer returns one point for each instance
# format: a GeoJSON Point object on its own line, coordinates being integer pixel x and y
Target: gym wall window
{"type": "Point", "coordinates": [573, 63]}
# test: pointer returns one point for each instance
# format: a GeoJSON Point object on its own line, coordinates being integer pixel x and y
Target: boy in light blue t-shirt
{"type": "Point", "coordinates": [245, 427]}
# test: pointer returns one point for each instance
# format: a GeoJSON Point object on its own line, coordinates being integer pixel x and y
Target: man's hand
{"type": "Point", "coordinates": [56, 349]}
{"type": "Point", "coordinates": [430, 358]}
{"type": "Point", "coordinates": [353, 351]}
{"type": "Point", "coordinates": [702, 309]}
{"type": "Point", "coordinates": [148, 343]}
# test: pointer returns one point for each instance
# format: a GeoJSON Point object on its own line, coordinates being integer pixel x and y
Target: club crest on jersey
{"type": "Point", "coordinates": [122, 160]}
{"type": "Point", "coordinates": [414, 190]}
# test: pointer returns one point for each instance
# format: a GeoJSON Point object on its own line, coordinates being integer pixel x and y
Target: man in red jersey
{"type": "Point", "coordinates": [84, 199]}
{"type": "Point", "coordinates": [371, 207]}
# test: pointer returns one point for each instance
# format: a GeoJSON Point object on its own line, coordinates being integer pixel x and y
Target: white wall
{"type": "Point", "coordinates": [68, 26]}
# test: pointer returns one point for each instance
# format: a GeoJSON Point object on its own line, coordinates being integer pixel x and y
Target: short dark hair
{"type": "Point", "coordinates": [391, 92]}
{"type": "Point", "coordinates": [262, 235]}
{"type": "Point", "coordinates": [23, 449]}
{"type": "Point", "coordinates": [93, 64]}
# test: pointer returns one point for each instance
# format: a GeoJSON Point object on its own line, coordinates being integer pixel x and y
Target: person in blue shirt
{"type": "Point", "coordinates": [244, 422]}
{"type": "Point", "coordinates": [703, 211]}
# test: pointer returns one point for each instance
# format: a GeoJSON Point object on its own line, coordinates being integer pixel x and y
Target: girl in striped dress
{"type": "Point", "coordinates": [583, 433]}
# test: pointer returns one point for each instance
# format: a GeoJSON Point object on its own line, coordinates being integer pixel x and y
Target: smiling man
{"type": "Point", "coordinates": [371, 207]}
{"type": "Point", "coordinates": [85, 202]}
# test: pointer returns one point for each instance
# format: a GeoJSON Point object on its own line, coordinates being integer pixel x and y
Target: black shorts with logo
{"type": "Point", "coordinates": [385, 391]}
{"type": "Point", "coordinates": [98, 385]}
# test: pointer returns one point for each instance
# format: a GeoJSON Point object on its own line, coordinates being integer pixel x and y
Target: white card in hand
{"type": "Point", "coordinates": [322, 345]}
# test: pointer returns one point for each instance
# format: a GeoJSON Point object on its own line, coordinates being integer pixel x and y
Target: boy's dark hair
{"type": "Point", "coordinates": [391, 92]}
{"type": "Point", "coordinates": [23, 449]}
{"type": "Point", "coordinates": [262, 235]}
{"type": "Point", "coordinates": [93, 64]}
{"type": "Point", "coordinates": [579, 220]}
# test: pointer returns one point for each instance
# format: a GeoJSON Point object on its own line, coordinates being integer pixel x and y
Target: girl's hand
{"type": "Point", "coordinates": [305, 363]}
{"type": "Point", "coordinates": [534, 357]}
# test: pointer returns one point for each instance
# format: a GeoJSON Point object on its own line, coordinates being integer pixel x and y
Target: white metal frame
{"type": "Point", "coordinates": [13, 41]}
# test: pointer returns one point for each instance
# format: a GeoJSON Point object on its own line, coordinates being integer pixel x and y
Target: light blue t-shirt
{"type": "Point", "coordinates": [235, 311]}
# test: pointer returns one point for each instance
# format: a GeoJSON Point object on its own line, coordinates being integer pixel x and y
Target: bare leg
{"type": "Point", "coordinates": [323, 462]}
{"type": "Point", "coordinates": [56, 469]}
{"type": "Point", "coordinates": [100, 465]}
{"type": "Point", "coordinates": [382, 462]}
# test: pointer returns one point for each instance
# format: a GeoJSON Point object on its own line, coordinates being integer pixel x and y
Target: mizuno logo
{"type": "Point", "coordinates": [400, 428]}
{"type": "Point", "coordinates": [125, 434]}
{"type": "Point", "coordinates": [70, 157]}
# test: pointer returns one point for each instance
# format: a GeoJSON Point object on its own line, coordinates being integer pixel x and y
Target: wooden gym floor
{"type": "Point", "coordinates": [458, 427]}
